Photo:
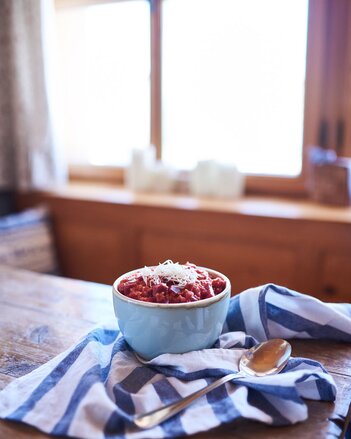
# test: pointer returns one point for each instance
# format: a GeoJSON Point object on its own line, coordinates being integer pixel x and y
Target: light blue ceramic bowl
{"type": "Point", "coordinates": [152, 329]}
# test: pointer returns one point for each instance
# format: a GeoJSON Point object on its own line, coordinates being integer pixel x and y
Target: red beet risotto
{"type": "Point", "coordinates": [171, 283]}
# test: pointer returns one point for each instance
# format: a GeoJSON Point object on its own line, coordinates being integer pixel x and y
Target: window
{"type": "Point", "coordinates": [236, 81]}
{"type": "Point", "coordinates": [233, 83]}
{"type": "Point", "coordinates": [104, 60]}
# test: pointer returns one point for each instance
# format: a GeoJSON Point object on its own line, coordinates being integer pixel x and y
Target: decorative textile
{"type": "Point", "coordinates": [26, 241]}
{"type": "Point", "coordinates": [7, 203]}
{"type": "Point", "coordinates": [94, 389]}
{"type": "Point", "coordinates": [28, 154]}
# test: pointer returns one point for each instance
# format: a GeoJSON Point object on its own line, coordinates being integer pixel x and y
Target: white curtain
{"type": "Point", "coordinates": [29, 154]}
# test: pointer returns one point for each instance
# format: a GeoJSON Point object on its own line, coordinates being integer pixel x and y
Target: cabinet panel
{"type": "Point", "coordinates": [246, 265]}
{"type": "Point", "coordinates": [93, 252]}
{"type": "Point", "coordinates": [336, 278]}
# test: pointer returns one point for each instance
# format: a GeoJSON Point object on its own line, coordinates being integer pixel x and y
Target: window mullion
{"type": "Point", "coordinates": [155, 78]}
{"type": "Point", "coordinates": [314, 114]}
{"type": "Point", "coordinates": [345, 92]}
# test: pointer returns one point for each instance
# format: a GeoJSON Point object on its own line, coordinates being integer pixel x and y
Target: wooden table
{"type": "Point", "coordinates": [42, 315]}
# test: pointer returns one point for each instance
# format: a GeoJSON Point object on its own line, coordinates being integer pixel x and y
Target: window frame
{"type": "Point", "coordinates": [319, 105]}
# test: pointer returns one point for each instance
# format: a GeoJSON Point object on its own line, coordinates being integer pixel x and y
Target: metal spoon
{"type": "Point", "coordinates": [267, 358]}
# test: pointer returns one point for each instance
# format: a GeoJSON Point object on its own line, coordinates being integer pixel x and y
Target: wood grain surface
{"type": "Point", "coordinates": [101, 232]}
{"type": "Point", "coordinates": [41, 315]}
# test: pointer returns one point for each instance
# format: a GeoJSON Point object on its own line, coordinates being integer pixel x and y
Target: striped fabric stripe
{"type": "Point", "coordinates": [94, 389]}
{"type": "Point", "coordinates": [26, 241]}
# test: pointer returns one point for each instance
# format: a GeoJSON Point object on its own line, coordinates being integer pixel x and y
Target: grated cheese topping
{"type": "Point", "coordinates": [169, 271]}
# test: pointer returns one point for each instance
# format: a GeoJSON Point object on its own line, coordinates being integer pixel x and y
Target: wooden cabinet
{"type": "Point", "coordinates": [335, 280]}
{"type": "Point", "coordinates": [101, 234]}
{"type": "Point", "coordinates": [92, 251]}
{"type": "Point", "coordinates": [245, 264]}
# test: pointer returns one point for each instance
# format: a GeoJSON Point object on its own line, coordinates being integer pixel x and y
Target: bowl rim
{"type": "Point", "coordinates": [198, 304]}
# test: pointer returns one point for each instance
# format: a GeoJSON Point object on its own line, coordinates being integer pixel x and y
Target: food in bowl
{"type": "Point", "coordinates": [171, 283]}
{"type": "Point", "coordinates": [153, 328]}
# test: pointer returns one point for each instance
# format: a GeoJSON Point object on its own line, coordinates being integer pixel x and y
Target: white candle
{"type": "Point", "coordinates": [203, 178]}
{"type": "Point", "coordinates": [138, 172]}
{"type": "Point", "coordinates": [162, 178]}
{"type": "Point", "coordinates": [213, 179]}
{"type": "Point", "coordinates": [230, 181]}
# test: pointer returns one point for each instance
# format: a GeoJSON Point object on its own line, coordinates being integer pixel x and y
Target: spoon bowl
{"type": "Point", "coordinates": [266, 358]}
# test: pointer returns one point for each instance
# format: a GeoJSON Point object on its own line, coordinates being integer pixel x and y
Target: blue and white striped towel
{"type": "Point", "coordinates": [94, 389]}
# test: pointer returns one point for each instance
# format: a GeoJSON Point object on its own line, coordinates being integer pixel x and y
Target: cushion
{"type": "Point", "coordinates": [26, 241]}
{"type": "Point", "coordinates": [7, 202]}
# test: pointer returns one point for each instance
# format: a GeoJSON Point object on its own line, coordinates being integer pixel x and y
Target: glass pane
{"type": "Point", "coordinates": [104, 62]}
{"type": "Point", "coordinates": [233, 83]}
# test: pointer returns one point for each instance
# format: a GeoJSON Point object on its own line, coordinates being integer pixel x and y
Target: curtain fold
{"type": "Point", "coordinates": [29, 154]}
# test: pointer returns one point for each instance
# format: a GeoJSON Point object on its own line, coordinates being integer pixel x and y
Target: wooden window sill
{"type": "Point", "coordinates": [248, 205]}
{"type": "Point", "coordinates": [254, 184]}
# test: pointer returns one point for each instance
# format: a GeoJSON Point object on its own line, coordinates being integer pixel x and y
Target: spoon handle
{"type": "Point", "coordinates": [151, 419]}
